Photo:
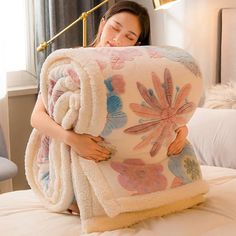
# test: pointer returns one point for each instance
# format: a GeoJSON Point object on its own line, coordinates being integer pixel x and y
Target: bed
{"type": "Point", "coordinates": [22, 214]}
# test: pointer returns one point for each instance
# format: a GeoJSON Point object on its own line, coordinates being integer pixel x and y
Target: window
{"type": "Point", "coordinates": [13, 35]}
{"type": "Point", "coordinates": [17, 59]}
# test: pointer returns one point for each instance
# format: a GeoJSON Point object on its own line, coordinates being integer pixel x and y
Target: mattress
{"type": "Point", "coordinates": [22, 214]}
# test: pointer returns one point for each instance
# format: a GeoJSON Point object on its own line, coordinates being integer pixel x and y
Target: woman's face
{"type": "Point", "coordinates": [120, 30]}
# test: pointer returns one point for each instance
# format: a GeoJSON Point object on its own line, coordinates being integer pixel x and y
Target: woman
{"type": "Point", "coordinates": [126, 23]}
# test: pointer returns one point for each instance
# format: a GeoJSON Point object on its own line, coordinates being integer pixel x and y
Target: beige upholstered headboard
{"type": "Point", "coordinates": [228, 45]}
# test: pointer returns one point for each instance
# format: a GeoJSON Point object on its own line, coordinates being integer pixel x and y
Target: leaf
{"type": "Point", "coordinates": [138, 129]}
{"type": "Point", "coordinates": [152, 136]}
{"type": "Point", "coordinates": [117, 119]}
{"type": "Point", "coordinates": [183, 93]}
{"type": "Point", "coordinates": [186, 108]}
{"type": "Point", "coordinates": [151, 100]}
{"type": "Point", "coordinates": [114, 104]}
{"type": "Point", "coordinates": [168, 86]}
{"type": "Point", "coordinates": [159, 91]}
{"type": "Point", "coordinates": [155, 148]}
{"type": "Point", "coordinates": [160, 139]}
{"type": "Point", "coordinates": [143, 111]}
{"type": "Point", "coordinates": [114, 121]}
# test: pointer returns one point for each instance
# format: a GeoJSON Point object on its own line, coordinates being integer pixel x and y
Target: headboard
{"type": "Point", "coordinates": [228, 46]}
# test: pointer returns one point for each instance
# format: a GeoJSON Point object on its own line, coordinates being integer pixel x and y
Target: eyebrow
{"type": "Point", "coordinates": [118, 23]}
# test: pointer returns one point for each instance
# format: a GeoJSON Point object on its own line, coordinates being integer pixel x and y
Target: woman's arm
{"type": "Point", "coordinates": [178, 144]}
{"type": "Point", "coordinates": [84, 145]}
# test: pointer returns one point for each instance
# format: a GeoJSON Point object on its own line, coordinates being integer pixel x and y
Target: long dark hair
{"type": "Point", "coordinates": [135, 9]}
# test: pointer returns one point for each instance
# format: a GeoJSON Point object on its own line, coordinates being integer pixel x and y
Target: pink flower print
{"type": "Point", "coordinates": [118, 84]}
{"type": "Point", "coordinates": [74, 77]}
{"type": "Point", "coordinates": [101, 64]}
{"type": "Point", "coordinates": [176, 182]}
{"type": "Point", "coordinates": [53, 95]}
{"type": "Point", "coordinates": [137, 176]}
{"type": "Point", "coordinates": [51, 85]}
{"type": "Point", "coordinates": [43, 152]}
{"type": "Point", "coordinates": [53, 99]}
{"type": "Point", "coordinates": [162, 109]}
{"type": "Point", "coordinates": [118, 57]}
{"type": "Point", "coordinates": [152, 52]}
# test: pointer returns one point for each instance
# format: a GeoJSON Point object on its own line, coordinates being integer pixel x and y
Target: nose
{"type": "Point", "coordinates": [117, 39]}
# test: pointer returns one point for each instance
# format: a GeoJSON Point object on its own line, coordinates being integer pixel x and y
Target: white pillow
{"type": "Point", "coordinates": [212, 132]}
{"type": "Point", "coordinates": [221, 96]}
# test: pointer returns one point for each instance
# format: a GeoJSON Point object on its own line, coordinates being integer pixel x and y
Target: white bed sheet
{"type": "Point", "coordinates": [22, 214]}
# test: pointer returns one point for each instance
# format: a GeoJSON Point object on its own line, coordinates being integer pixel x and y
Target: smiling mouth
{"type": "Point", "coordinates": [110, 44]}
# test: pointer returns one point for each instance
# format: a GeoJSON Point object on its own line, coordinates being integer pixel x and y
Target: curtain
{"type": "Point", "coordinates": [51, 16]}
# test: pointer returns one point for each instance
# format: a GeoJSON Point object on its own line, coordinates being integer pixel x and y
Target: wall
{"type": "Point", "coordinates": [193, 25]}
{"type": "Point", "coordinates": [20, 109]}
{"type": "Point", "coordinates": [19, 103]}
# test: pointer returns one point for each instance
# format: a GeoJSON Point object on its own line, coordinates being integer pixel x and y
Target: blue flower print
{"type": "Point", "coordinates": [185, 165]}
{"type": "Point", "coordinates": [115, 118]}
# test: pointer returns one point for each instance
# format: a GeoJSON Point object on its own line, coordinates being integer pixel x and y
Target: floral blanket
{"type": "Point", "coordinates": [135, 98]}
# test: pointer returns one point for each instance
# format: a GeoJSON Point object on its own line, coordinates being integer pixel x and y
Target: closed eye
{"type": "Point", "coordinates": [115, 28]}
{"type": "Point", "coordinates": [130, 37]}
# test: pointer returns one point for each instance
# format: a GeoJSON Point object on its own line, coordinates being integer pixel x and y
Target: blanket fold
{"type": "Point", "coordinates": [135, 98]}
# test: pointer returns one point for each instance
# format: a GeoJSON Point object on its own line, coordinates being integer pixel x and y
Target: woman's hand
{"type": "Point", "coordinates": [178, 144]}
{"type": "Point", "coordinates": [86, 146]}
